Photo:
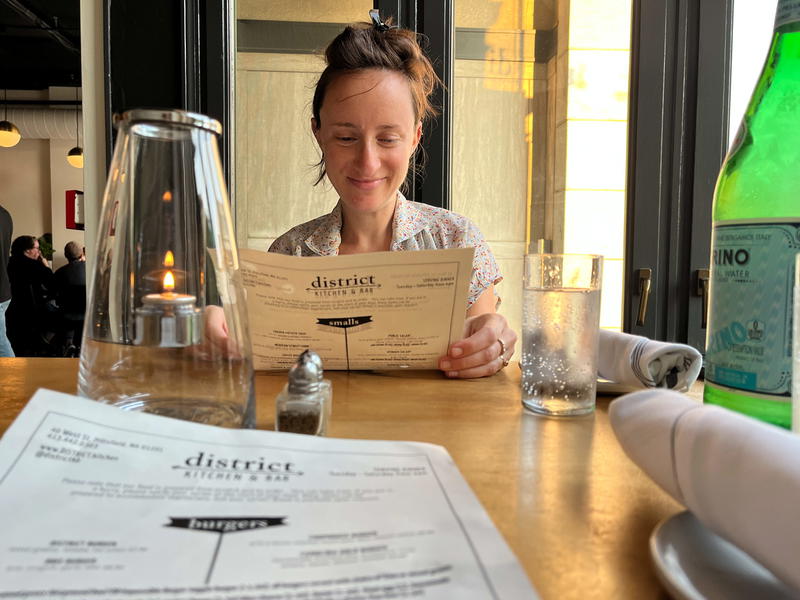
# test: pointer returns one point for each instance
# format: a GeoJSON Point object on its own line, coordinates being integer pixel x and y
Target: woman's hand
{"type": "Point", "coordinates": [216, 340]}
{"type": "Point", "coordinates": [486, 348]}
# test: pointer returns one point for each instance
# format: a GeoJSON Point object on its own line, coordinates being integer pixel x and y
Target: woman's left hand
{"type": "Point", "coordinates": [486, 348]}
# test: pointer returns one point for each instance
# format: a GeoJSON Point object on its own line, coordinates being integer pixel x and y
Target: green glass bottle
{"type": "Point", "coordinates": [756, 235]}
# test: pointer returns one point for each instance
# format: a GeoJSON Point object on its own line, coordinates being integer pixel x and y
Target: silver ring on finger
{"type": "Point", "coordinates": [503, 351]}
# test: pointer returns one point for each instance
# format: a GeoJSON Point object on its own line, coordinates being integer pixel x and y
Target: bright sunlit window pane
{"type": "Point", "coordinates": [540, 132]}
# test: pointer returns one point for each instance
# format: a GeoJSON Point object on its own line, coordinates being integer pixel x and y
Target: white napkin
{"type": "Point", "coordinates": [639, 362]}
{"type": "Point", "coordinates": [740, 477]}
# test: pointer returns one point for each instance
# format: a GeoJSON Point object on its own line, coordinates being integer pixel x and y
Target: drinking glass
{"type": "Point", "coordinates": [560, 331]}
{"type": "Point", "coordinates": [165, 255]}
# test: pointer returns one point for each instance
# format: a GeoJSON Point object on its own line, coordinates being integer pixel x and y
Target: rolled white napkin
{"type": "Point", "coordinates": [639, 362]}
{"type": "Point", "coordinates": [740, 477]}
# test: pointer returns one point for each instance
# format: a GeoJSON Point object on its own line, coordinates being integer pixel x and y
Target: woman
{"type": "Point", "coordinates": [368, 109]}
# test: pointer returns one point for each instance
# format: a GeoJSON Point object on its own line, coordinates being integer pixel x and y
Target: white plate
{"type": "Point", "coordinates": [694, 563]}
{"type": "Point", "coordinates": [604, 386]}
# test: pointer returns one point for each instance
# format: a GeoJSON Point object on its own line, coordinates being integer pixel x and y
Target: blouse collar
{"type": "Point", "coordinates": [407, 222]}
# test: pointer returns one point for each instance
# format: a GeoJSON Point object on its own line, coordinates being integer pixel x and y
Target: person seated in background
{"type": "Point", "coordinates": [368, 109]}
{"type": "Point", "coordinates": [70, 295]}
{"type": "Point", "coordinates": [6, 229]}
{"type": "Point", "coordinates": [30, 316]}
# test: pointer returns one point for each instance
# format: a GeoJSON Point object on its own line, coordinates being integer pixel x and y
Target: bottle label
{"type": "Point", "coordinates": [749, 344]}
{"type": "Point", "coordinates": [788, 12]}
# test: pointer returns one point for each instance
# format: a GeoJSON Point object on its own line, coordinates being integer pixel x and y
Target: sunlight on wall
{"type": "Point", "coordinates": [596, 59]}
{"type": "Point", "coordinates": [540, 132]}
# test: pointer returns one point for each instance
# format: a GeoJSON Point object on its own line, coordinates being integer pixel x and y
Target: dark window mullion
{"type": "Point", "coordinates": [216, 72]}
{"type": "Point", "coordinates": [403, 11]}
{"type": "Point", "coordinates": [650, 139]}
{"type": "Point", "coordinates": [711, 140]}
{"type": "Point", "coordinates": [192, 77]}
{"type": "Point", "coordinates": [434, 20]}
{"type": "Point", "coordinates": [190, 71]}
{"type": "Point", "coordinates": [404, 14]}
{"type": "Point", "coordinates": [679, 87]}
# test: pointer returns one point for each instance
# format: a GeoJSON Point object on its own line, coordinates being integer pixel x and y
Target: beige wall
{"type": "Point", "coordinates": [63, 177]}
{"type": "Point", "coordinates": [25, 186]}
{"type": "Point", "coordinates": [596, 126]}
{"type": "Point", "coordinates": [275, 157]}
{"type": "Point", "coordinates": [582, 207]}
{"type": "Point", "coordinates": [491, 167]}
{"type": "Point", "coordinates": [341, 11]}
{"type": "Point", "coordinates": [34, 175]}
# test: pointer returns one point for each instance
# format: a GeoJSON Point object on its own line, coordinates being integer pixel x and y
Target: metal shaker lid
{"type": "Point", "coordinates": [306, 374]}
{"type": "Point", "coordinates": [315, 358]}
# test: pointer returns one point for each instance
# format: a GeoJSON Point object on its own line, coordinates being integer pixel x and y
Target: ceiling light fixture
{"type": "Point", "coordinates": [75, 155]}
{"type": "Point", "coordinates": [9, 134]}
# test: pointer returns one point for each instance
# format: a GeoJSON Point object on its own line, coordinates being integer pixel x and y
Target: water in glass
{"type": "Point", "coordinates": [559, 350]}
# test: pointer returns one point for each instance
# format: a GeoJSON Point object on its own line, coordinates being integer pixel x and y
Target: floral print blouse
{"type": "Point", "coordinates": [415, 226]}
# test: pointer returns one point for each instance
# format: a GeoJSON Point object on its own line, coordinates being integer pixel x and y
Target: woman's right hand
{"type": "Point", "coordinates": [215, 333]}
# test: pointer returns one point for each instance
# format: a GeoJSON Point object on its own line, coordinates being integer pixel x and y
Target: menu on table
{"type": "Point", "coordinates": [100, 502]}
{"type": "Point", "coordinates": [381, 310]}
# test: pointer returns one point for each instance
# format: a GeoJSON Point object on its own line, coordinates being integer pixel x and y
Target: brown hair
{"type": "Point", "coordinates": [73, 251]}
{"type": "Point", "coordinates": [364, 46]}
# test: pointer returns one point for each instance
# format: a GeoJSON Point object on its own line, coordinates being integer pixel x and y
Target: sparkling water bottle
{"type": "Point", "coordinates": [756, 234]}
{"type": "Point", "coordinates": [166, 325]}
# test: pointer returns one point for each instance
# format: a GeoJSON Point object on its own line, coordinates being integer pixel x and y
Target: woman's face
{"type": "Point", "coordinates": [367, 134]}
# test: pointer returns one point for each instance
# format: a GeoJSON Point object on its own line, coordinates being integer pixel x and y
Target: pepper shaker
{"type": "Point", "coordinates": [303, 406]}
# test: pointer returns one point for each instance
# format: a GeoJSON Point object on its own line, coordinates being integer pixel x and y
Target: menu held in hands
{"type": "Point", "coordinates": [380, 310]}
{"type": "Point", "coordinates": [100, 502]}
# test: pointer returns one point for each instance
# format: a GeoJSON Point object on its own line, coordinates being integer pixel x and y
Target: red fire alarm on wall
{"type": "Point", "coordinates": [74, 209]}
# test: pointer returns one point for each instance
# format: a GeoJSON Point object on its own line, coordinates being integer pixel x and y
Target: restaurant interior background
{"type": "Point", "coordinates": [595, 125]}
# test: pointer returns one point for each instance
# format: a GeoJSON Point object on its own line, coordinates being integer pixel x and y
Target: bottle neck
{"type": "Point", "coordinates": [783, 60]}
{"type": "Point", "coordinates": [788, 12]}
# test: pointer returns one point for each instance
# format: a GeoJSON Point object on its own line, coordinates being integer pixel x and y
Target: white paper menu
{"type": "Point", "coordinates": [99, 502]}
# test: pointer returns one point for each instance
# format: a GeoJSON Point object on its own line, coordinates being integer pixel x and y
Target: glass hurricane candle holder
{"type": "Point", "coordinates": [165, 256]}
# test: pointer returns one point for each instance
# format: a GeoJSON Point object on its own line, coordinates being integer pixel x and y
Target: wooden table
{"type": "Point", "coordinates": [573, 508]}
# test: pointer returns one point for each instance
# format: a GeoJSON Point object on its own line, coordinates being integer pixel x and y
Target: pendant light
{"type": "Point", "coordinates": [75, 155]}
{"type": "Point", "coordinates": [9, 134]}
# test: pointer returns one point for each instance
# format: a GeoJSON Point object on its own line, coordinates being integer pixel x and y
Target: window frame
{"type": "Point", "coordinates": [680, 56]}
{"type": "Point", "coordinates": [680, 86]}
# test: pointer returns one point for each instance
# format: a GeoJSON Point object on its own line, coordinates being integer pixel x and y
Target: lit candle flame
{"type": "Point", "coordinates": [169, 259]}
{"type": "Point", "coordinates": [167, 196]}
{"type": "Point", "coordinates": [169, 281]}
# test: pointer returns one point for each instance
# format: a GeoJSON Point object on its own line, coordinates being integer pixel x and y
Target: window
{"type": "Point", "coordinates": [595, 125]}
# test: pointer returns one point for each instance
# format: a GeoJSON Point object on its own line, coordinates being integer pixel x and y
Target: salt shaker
{"type": "Point", "coordinates": [303, 406]}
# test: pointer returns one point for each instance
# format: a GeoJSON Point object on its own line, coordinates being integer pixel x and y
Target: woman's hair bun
{"type": "Point", "coordinates": [365, 46]}
{"type": "Point", "coordinates": [379, 46]}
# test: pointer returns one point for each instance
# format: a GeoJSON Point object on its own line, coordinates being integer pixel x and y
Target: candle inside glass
{"type": "Point", "coordinates": [168, 319]}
